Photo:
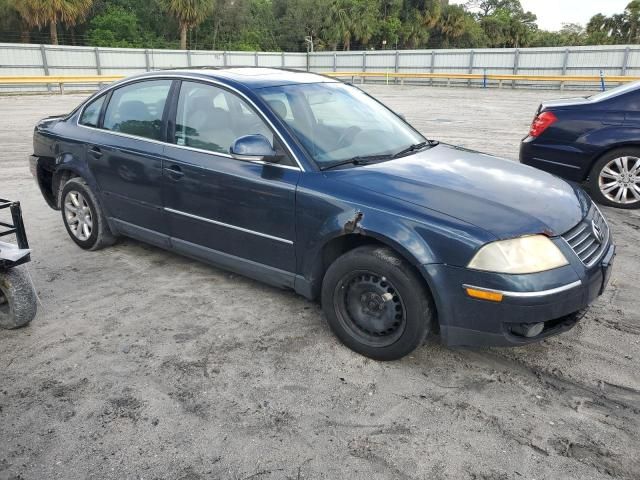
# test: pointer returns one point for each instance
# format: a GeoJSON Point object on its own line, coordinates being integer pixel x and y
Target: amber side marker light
{"type": "Point", "coordinates": [484, 295]}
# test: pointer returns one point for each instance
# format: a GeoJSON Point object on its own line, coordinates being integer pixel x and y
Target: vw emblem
{"type": "Point", "coordinates": [597, 232]}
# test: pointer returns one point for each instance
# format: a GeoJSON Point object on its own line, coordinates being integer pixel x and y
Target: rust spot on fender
{"type": "Point", "coordinates": [352, 225]}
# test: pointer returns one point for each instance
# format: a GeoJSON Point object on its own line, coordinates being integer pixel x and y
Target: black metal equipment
{"type": "Point", "coordinates": [9, 255]}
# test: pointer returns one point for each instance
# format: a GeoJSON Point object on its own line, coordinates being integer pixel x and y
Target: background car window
{"type": "Point", "coordinates": [211, 118]}
{"type": "Point", "coordinates": [137, 109]}
{"type": "Point", "coordinates": [91, 113]}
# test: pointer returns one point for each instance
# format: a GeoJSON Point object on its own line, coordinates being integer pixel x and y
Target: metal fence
{"type": "Point", "coordinates": [29, 59]}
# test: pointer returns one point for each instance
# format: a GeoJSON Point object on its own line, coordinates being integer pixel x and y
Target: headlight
{"type": "Point", "coordinates": [535, 253]}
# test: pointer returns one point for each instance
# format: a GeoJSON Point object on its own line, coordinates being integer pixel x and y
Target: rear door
{"type": "Point", "coordinates": [230, 211]}
{"type": "Point", "coordinates": [125, 156]}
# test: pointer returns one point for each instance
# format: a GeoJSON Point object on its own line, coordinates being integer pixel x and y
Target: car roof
{"type": "Point", "coordinates": [254, 77]}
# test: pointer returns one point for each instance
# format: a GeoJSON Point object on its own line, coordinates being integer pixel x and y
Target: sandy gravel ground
{"type": "Point", "coordinates": [144, 364]}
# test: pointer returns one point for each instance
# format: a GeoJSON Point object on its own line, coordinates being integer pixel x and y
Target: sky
{"type": "Point", "coordinates": [553, 13]}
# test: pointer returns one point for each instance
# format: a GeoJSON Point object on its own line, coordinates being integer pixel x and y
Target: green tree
{"type": "Point", "coordinates": [189, 14]}
{"type": "Point", "coordinates": [39, 13]}
{"type": "Point", "coordinates": [115, 27]}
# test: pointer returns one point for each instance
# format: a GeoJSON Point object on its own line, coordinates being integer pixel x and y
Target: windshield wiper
{"type": "Point", "coordinates": [415, 147]}
{"type": "Point", "coordinates": [359, 160]}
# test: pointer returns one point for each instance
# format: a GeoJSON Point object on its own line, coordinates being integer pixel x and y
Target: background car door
{"type": "Point", "coordinates": [126, 155]}
{"type": "Point", "coordinates": [217, 204]}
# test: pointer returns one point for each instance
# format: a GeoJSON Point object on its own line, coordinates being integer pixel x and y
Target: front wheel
{"type": "Point", "coordinates": [376, 304]}
{"type": "Point", "coordinates": [18, 301]}
{"type": "Point", "coordinates": [615, 178]}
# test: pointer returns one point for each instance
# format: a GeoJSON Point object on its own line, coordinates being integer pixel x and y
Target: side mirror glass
{"type": "Point", "coordinates": [253, 147]}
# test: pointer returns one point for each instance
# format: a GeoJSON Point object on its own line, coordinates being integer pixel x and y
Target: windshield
{"type": "Point", "coordinates": [337, 122]}
{"type": "Point", "coordinates": [614, 92]}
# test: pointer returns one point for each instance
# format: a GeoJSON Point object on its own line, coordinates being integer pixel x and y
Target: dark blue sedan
{"type": "Point", "coordinates": [307, 183]}
{"type": "Point", "coordinates": [593, 140]}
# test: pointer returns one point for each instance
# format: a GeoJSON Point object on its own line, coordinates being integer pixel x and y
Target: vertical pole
{"type": "Point", "coordinates": [625, 61]}
{"type": "Point", "coordinates": [282, 60]}
{"type": "Point", "coordinates": [516, 64]}
{"type": "Point", "coordinates": [471, 55]}
{"type": "Point", "coordinates": [364, 63]}
{"type": "Point", "coordinates": [96, 52]}
{"type": "Point", "coordinates": [565, 63]}
{"type": "Point", "coordinates": [396, 66]}
{"type": "Point", "coordinates": [484, 79]}
{"type": "Point", "coordinates": [45, 64]}
{"type": "Point", "coordinates": [188, 58]}
{"type": "Point", "coordinates": [432, 64]}
{"type": "Point", "coordinates": [224, 58]}
{"type": "Point", "coordinates": [307, 59]}
{"type": "Point", "coordinates": [147, 60]}
{"type": "Point", "coordinates": [602, 85]}
{"type": "Point", "coordinates": [335, 61]}
{"type": "Point", "coordinates": [255, 58]}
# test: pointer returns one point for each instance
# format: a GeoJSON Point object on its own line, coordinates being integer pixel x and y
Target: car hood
{"type": "Point", "coordinates": [503, 197]}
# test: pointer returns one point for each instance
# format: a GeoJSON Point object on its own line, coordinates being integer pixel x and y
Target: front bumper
{"type": "Point", "coordinates": [557, 297]}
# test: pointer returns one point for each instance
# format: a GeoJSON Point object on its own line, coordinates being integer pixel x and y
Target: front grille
{"type": "Point", "coordinates": [589, 239]}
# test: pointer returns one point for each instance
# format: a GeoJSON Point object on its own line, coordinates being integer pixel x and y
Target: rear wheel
{"type": "Point", "coordinates": [376, 304]}
{"type": "Point", "coordinates": [83, 217]}
{"type": "Point", "coordinates": [615, 178]}
{"type": "Point", "coordinates": [18, 301]}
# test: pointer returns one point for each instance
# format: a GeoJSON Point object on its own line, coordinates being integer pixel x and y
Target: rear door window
{"type": "Point", "coordinates": [137, 109]}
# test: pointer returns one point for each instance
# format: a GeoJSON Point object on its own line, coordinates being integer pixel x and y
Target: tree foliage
{"type": "Point", "coordinates": [284, 24]}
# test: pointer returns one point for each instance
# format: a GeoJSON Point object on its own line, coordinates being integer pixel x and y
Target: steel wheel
{"type": "Point", "coordinates": [619, 180]}
{"type": "Point", "coordinates": [78, 215]}
{"type": "Point", "coordinates": [370, 307]}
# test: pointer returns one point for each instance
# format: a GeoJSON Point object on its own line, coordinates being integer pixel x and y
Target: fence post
{"type": "Point", "coordinates": [396, 66]}
{"type": "Point", "coordinates": [224, 58]}
{"type": "Point", "coordinates": [471, 55]}
{"type": "Point", "coordinates": [282, 60]}
{"type": "Point", "coordinates": [432, 65]}
{"type": "Point", "coordinates": [602, 85]}
{"type": "Point", "coordinates": [45, 64]}
{"type": "Point", "coordinates": [335, 61]}
{"type": "Point", "coordinates": [625, 60]}
{"type": "Point", "coordinates": [516, 64]}
{"type": "Point", "coordinates": [96, 51]}
{"type": "Point", "coordinates": [565, 62]}
{"type": "Point", "coordinates": [364, 63]}
{"type": "Point", "coordinates": [255, 58]}
{"type": "Point", "coordinates": [188, 58]}
{"type": "Point", "coordinates": [147, 61]}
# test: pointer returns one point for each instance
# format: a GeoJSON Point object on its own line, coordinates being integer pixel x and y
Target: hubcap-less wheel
{"type": "Point", "coordinates": [619, 180]}
{"type": "Point", "coordinates": [370, 307]}
{"type": "Point", "coordinates": [78, 215]}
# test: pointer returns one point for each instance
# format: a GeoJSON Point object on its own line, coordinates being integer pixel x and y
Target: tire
{"type": "Point", "coordinates": [83, 217]}
{"type": "Point", "coordinates": [376, 304]}
{"type": "Point", "coordinates": [18, 301]}
{"type": "Point", "coordinates": [610, 169]}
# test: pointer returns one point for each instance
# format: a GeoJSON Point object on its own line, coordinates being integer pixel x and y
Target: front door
{"type": "Point", "coordinates": [232, 212]}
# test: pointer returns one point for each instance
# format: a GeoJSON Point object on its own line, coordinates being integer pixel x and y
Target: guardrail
{"type": "Point", "coordinates": [487, 77]}
{"type": "Point", "coordinates": [63, 80]}
{"type": "Point", "coordinates": [60, 80]}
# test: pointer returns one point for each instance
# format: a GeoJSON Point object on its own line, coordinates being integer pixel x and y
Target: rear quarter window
{"type": "Point", "coordinates": [91, 113]}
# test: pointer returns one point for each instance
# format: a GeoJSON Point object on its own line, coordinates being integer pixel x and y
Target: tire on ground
{"type": "Point", "coordinates": [18, 300]}
{"type": "Point", "coordinates": [594, 176]}
{"type": "Point", "coordinates": [101, 235]}
{"type": "Point", "coordinates": [420, 312]}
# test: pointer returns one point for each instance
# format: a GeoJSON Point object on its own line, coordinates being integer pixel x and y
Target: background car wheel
{"type": "Point", "coordinates": [376, 304]}
{"type": "Point", "coordinates": [615, 178]}
{"type": "Point", "coordinates": [18, 301]}
{"type": "Point", "coordinates": [82, 216]}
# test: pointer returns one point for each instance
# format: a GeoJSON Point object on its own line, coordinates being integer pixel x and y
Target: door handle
{"type": "Point", "coordinates": [95, 152]}
{"type": "Point", "coordinates": [174, 172]}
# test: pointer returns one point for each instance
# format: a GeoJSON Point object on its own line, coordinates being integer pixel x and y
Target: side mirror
{"type": "Point", "coordinates": [253, 147]}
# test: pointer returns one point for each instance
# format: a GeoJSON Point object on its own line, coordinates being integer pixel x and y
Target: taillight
{"type": "Point", "coordinates": [543, 121]}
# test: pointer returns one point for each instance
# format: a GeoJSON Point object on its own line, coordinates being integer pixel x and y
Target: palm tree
{"type": "Point", "coordinates": [38, 13]}
{"type": "Point", "coordinates": [188, 13]}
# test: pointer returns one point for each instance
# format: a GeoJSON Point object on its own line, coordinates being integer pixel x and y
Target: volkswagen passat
{"type": "Point", "coordinates": [307, 183]}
